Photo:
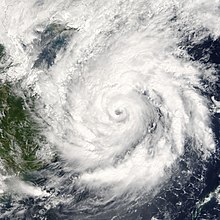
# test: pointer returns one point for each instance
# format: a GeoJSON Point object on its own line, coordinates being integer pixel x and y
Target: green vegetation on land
{"type": "Point", "coordinates": [19, 134]}
{"type": "Point", "coordinates": [5, 61]}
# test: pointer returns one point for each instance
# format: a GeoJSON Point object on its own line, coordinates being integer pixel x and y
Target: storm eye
{"type": "Point", "coordinates": [118, 112]}
{"type": "Point", "coordinates": [52, 40]}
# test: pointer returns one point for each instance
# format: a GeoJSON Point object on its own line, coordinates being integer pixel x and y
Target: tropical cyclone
{"type": "Point", "coordinates": [119, 100]}
{"type": "Point", "coordinates": [131, 118]}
